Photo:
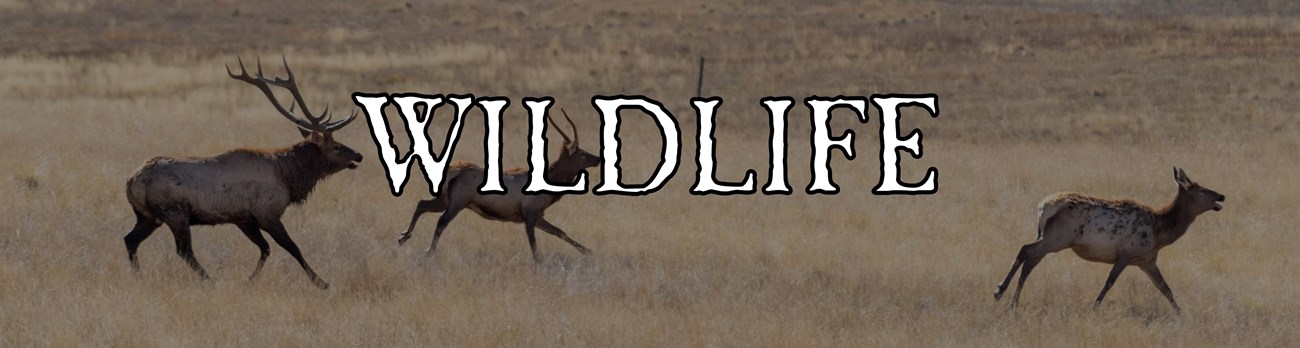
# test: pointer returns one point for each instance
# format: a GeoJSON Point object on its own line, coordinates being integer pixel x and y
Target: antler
{"type": "Point", "coordinates": [571, 126]}
{"type": "Point", "coordinates": [557, 128]}
{"type": "Point", "coordinates": [316, 123]}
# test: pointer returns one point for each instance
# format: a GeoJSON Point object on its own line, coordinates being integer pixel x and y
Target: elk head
{"type": "Point", "coordinates": [317, 130]}
{"type": "Point", "coordinates": [1199, 198]}
{"type": "Point", "coordinates": [572, 158]}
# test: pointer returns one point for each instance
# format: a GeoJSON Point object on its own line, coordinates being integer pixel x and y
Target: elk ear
{"type": "Point", "coordinates": [305, 133]}
{"type": "Point", "coordinates": [1180, 177]}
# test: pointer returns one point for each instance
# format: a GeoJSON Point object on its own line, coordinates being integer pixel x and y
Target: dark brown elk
{"type": "Point", "coordinates": [459, 191]}
{"type": "Point", "coordinates": [250, 188]}
{"type": "Point", "coordinates": [1121, 233]}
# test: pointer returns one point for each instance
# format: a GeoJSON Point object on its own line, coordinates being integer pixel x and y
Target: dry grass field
{"type": "Point", "coordinates": [1102, 97]}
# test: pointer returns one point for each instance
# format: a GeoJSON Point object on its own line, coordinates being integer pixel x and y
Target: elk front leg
{"type": "Point", "coordinates": [251, 230]}
{"type": "Point", "coordinates": [1153, 272]}
{"type": "Point", "coordinates": [1110, 280]}
{"type": "Point", "coordinates": [281, 237]}
{"type": "Point", "coordinates": [556, 231]}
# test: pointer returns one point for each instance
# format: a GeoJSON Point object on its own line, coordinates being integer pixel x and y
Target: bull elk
{"type": "Point", "coordinates": [1121, 233]}
{"type": "Point", "coordinates": [250, 188]}
{"type": "Point", "coordinates": [459, 191]}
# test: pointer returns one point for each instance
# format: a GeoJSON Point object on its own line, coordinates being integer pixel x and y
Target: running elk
{"type": "Point", "coordinates": [1122, 233]}
{"type": "Point", "coordinates": [459, 191]}
{"type": "Point", "coordinates": [250, 188]}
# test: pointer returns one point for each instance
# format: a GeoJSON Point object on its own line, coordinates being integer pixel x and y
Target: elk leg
{"type": "Point", "coordinates": [556, 231]}
{"type": "Point", "coordinates": [1002, 287]}
{"type": "Point", "coordinates": [143, 228]}
{"type": "Point", "coordinates": [532, 239]}
{"type": "Point", "coordinates": [281, 237]}
{"type": "Point", "coordinates": [251, 231]}
{"type": "Point", "coordinates": [436, 204]}
{"type": "Point", "coordinates": [443, 221]}
{"type": "Point", "coordinates": [1029, 265]}
{"type": "Point", "coordinates": [1031, 254]}
{"type": "Point", "coordinates": [1110, 280]}
{"type": "Point", "coordinates": [1028, 258]}
{"type": "Point", "coordinates": [1153, 272]}
{"type": "Point", "coordinates": [181, 231]}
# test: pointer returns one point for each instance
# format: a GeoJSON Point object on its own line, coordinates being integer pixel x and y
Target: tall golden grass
{"type": "Point", "coordinates": [1100, 97]}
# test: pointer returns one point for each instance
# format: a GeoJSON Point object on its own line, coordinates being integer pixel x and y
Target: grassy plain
{"type": "Point", "coordinates": [1102, 97]}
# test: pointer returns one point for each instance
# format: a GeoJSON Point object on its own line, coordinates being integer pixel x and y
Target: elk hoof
{"type": "Point", "coordinates": [322, 284]}
{"type": "Point", "coordinates": [402, 240]}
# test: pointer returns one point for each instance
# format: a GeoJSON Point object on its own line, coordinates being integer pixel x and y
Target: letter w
{"type": "Point", "coordinates": [417, 122]}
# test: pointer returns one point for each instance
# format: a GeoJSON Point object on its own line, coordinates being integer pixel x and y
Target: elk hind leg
{"type": "Point", "coordinates": [455, 198]}
{"type": "Point", "coordinates": [1030, 255]}
{"type": "Point", "coordinates": [437, 204]}
{"type": "Point", "coordinates": [1030, 259]}
{"type": "Point", "coordinates": [1027, 252]}
{"type": "Point", "coordinates": [529, 226]}
{"type": "Point", "coordinates": [556, 231]}
{"type": "Point", "coordinates": [251, 230]}
{"type": "Point", "coordinates": [447, 215]}
{"type": "Point", "coordinates": [1015, 266]}
{"type": "Point", "coordinates": [144, 227]}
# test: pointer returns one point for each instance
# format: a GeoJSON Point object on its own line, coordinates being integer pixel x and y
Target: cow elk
{"type": "Point", "coordinates": [250, 188]}
{"type": "Point", "coordinates": [1121, 233]}
{"type": "Point", "coordinates": [459, 191]}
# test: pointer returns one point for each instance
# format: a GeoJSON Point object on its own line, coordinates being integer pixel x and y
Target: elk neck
{"type": "Point", "coordinates": [563, 172]}
{"type": "Point", "coordinates": [1172, 220]}
{"type": "Point", "coordinates": [299, 168]}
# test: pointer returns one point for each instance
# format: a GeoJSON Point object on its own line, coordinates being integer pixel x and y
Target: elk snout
{"type": "Point", "coordinates": [1217, 200]}
{"type": "Point", "coordinates": [344, 153]}
{"type": "Point", "coordinates": [356, 158]}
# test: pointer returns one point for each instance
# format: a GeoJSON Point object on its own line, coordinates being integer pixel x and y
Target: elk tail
{"type": "Point", "coordinates": [1047, 210]}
